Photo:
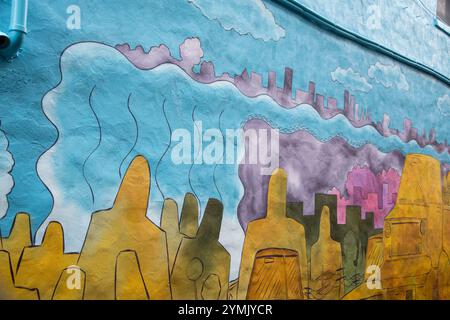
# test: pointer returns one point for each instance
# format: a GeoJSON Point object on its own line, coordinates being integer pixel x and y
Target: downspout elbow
{"type": "Point", "coordinates": [16, 39]}
{"type": "Point", "coordinates": [11, 43]}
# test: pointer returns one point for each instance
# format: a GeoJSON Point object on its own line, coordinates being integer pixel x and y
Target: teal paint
{"type": "Point", "coordinates": [312, 53]}
{"type": "Point", "coordinates": [328, 25]}
{"type": "Point", "coordinates": [17, 30]}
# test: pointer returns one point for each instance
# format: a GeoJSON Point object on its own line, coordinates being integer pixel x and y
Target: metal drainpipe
{"type": "Point", "coordinates": [11, 43]}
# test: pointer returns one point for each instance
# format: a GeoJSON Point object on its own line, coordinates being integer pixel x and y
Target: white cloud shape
{"type": "Point", "coordinates": [245, 17]}
{"type": "Point", "coordinates": [388, 76]}
{"type": "Point", "coordinates": [232, 238]}
{"type": "Point", "coordinates": [351, 80]}
{"type": "Point", "coordinates": [6, 180]}
{"type": "Point", "coordinates": [444, 105]}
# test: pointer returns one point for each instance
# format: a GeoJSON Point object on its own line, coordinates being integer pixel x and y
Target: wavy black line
{"type": "Point", "coordinates": [135, 140]}
{"type": "Point", "coordinates": [215, 167]}
{"type": "Point", "coordinates": [192, 162]}
{"type": "Point", "coordinates": [96, 147]}
{"type": "Point", "coordinates": [167, 149]}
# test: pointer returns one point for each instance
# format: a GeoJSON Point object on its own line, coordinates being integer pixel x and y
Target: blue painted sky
{"type": "Point", "coordinates": [405, 26]}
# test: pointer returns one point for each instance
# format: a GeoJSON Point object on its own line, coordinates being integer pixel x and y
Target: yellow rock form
{"type": "Point", "coordinates": [276, 275]}
{"type": "Point", "coordinates": [446, 215]}
{"type": "Point", "coordinates": [201, 268]}
{"type": "Point", "coordinates": [212, 288]}
{"type": "Point", "coordinates": [129, 281]}
{"type": "Point", "coordinates": [41, 266]}
{"type": "Point", "coordinates": [444, 277]}
{"type": "Point", "coordinates": [413, 231]}
{"type": "Point", "coordinates": [189, 216]}
{"type": "Point", "coordinates": [444, 263]}
{"type": "Point", "coordinates": [233, 289]}
{"type": "Point", "coordinates": [274, 243]}
{"type": "Point", "coordinates": [8, 291]}
{"type": "Point", "coordinates": [374, 257]}
{"type": "Point", "coordinates": [19, 238]}
{"type": "Point", "coordinates": [171, 224]}
{"type": "Point", "coordinates": [70, 285]}
{"type": "Point", "coordinates": [326, 263]}
{"type": "Point", "coordinates": [126, 227]}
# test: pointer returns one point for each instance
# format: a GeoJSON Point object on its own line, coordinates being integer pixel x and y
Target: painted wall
{"type": "Point", "coordinates": [79, 104]}
{"type": "Point", "coordinates": [405, 26]}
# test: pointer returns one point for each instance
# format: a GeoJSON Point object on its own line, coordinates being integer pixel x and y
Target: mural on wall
{"type": "Point", "coordinates": [6, 180]}
{"type": "Point", "coordinates": [171, 177]}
